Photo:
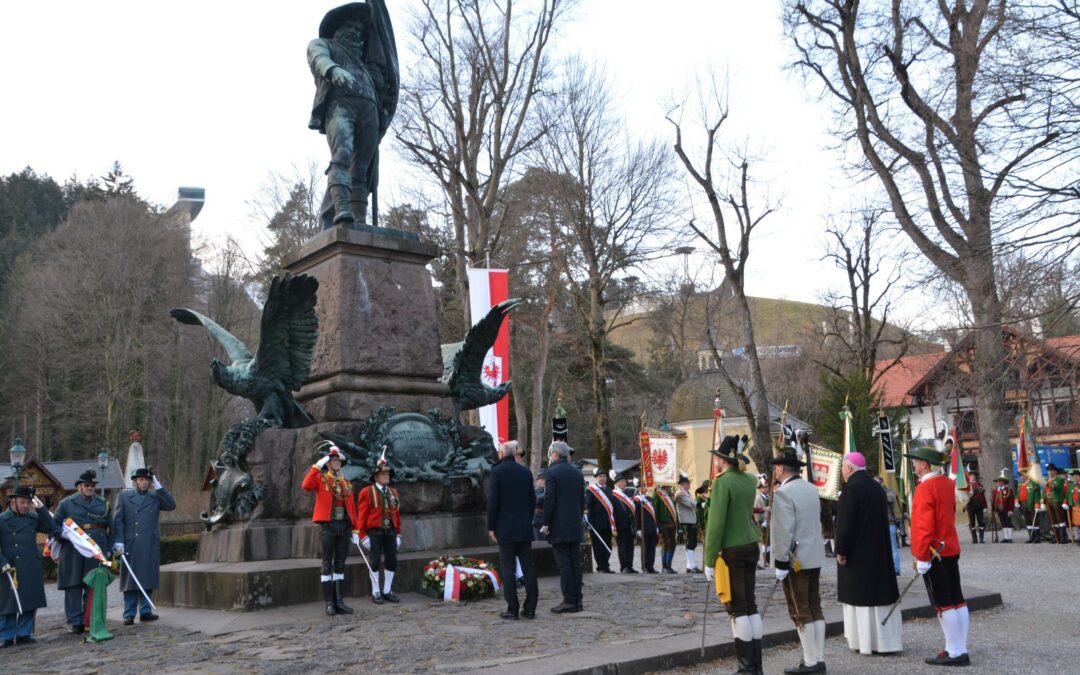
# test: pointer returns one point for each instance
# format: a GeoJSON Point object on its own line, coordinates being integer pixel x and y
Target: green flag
{"type": "Point", "coordinates": [97, 580]}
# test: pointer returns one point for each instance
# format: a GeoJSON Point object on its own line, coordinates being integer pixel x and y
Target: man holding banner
{"type": "Point", "coordinates": [22, 588]}
{"type": "Point", "coordinates": [135, 537]}
{"type": "Point", "coordinates": [92, 513]}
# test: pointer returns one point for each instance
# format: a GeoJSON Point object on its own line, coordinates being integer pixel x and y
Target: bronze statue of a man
{"type": "Point", "coordinates": [354, 61]}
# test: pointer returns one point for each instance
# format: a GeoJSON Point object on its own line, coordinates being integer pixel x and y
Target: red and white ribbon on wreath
{"type": "Point", "coordinates": [454, 580]}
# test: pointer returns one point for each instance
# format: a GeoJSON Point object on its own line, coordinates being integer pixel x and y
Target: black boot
{"type": "Point", "coordinates": [974, 537]}
{"type": "Point", "coordinates": [744, 652]}
{"type": "Point", "coordinates": [982, 537]}
{"type": "Point", "coordinates": [339, 598]}
{"type": "Point", "coordinates": [757, 657]}
{"type": "Point", "coordinates": [328, 597]}
{"type": "Point", "coordinates": [1037, 536]}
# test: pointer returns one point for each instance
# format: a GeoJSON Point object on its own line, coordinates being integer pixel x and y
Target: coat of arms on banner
{"type": "Point", "coordinates": [492, 373]}
{"type": "Point", "coordinates": [826, 467]}
{"type": "Point", "coordinates": [665, 463]}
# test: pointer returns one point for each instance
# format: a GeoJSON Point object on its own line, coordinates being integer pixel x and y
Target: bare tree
{"type": "Point", "coordinates": [614, 194]}
{"type": "Point", "coordinates": [728, 193]}
{"type": "Point", "coordinates": [857, 331]}
{"type": "Point", "coordinates": [466, 114]}
{"type": "Point", "coordinates": [966, 114]}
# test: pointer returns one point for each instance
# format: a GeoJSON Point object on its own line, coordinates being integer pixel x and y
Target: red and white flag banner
{"type": "Point", "coordinates": [488, 288]}
{"type": "Point", "coordinates": [663, 458]}
{"type": "Point", "coordinates": [82, 542]}
{"type": "Point", "coordinates": [455, 577]}
{"type": "Point", "coordinates": [646, 459]}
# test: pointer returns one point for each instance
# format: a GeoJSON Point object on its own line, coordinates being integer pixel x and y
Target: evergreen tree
{"type": "Point", "coordinates": [854, 387]}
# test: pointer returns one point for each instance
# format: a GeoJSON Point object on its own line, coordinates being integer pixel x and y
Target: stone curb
{"type": "Point", "coordinates": [685, 650]}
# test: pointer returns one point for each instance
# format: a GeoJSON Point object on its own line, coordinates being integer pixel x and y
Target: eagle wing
{"type": "Point", "coordinates": [469, 361]}
{"type": "Point", "coordinates": [236, 350]}
{"type": "Point", "coordinates": [288, 330]}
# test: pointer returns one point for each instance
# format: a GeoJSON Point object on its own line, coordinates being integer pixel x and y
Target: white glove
{"type": "Point", "coordinates": [156, 484]}
{"type": "Point", "coordinates": [37, 503]}
{"type": "Point", "coordinates": [398, 542]}
{"type": "Point", "coordinates": [922, 567]}
{"type": "Point", "coordinates": [7, 569]}
{"type": "Point", "coordinates": [366, 543]}
{"type": "Point", "coordinates": [322, 462]}
{"type": "Point", "coordinates": [781, 574]}
{"type": "Point", "coordinates": [119, 548]}
{"type": "Point", "coordinates": [710, 573]}
{"type": "Point", "coordinates": [355, 539]}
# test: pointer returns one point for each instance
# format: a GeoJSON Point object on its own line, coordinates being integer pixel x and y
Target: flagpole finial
{"type": "Point", "coordinates": [644, 420]}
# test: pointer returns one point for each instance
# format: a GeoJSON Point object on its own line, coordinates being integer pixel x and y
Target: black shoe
{"type": "Point", "coordinates": [339, 598]}
{"type": "Point", "coordinates": [328, 597]}
{"type": "Point", "coordinates": [76, 630]}
{"type": "Point", "coordinates": [668, 570]}
{"type": "Point", "coordinates": [563, 608]}
{"type": "Point", "coordinates": [943, 659]}
{"type": "Point", "coordinates": [606, 571]}
{"type": "Point", "coordinates": [528, 615]}
{"type": "Point", "coordinates": [390, 597]}
{"type": "Point", "coordinates": [7, 643]}
{"type": "Point", "coordinates": [25, 640]}
{"type": "Point", "coordinates": [629, 570]}
{"type": "Point", "coordinates": [510, 616]}
{"type": "Point", "coordinates": [803, 668]}
{"type": "Point", "coordinates": [130, 621]}
{"type": "Point", "coordinates": [651, 572]}
{"type": "Point", "coordinates": [377, 598]}
{"type": "Point", "coordinates": [149, 616]}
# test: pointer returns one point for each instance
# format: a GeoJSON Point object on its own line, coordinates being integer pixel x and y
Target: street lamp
{"type": "Point", "coordinates": [103, 464]}
{"type": "Point", "coordinates": [18, 457]}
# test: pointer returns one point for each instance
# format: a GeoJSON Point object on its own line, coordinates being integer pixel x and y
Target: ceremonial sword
{"type": "Point", "coordinates": [374, 581]}
{"type": "Point", "coordinates": [123, 558]}
{"type": "Point", "coordinates": [15, 590]}
{"type": "Point", "coordinates": [597, 535]}
{"type": "Point", "coordinates": [933, 552]}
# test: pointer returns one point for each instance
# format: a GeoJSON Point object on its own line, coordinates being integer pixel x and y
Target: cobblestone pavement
{"type": "Point", "coordinates": [1031, 633]}
{"type": "Point", "coordinates": [424, 635]}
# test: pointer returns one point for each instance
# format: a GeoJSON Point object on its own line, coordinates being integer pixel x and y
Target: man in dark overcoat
{"type": "Point", "coordinates": [136, 537]}
{"type": "Point", "coordinates": [600, 513]}
{"type": "Point", "coordinates": [865, 580]}
{"type": "Point", "coordinates": [91, 513]}
{"type": "Point", "coordinates": [622, 505]}
{"type": "Point", "coordinates": [511, 502]}
{"type": "Point", "coordinates": [564, 501]}
{"type": "Point", "coordinates": [21, 559]}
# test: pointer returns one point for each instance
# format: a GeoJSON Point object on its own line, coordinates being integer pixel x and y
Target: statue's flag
{"type": "Point", "coordinates": [488, 288]}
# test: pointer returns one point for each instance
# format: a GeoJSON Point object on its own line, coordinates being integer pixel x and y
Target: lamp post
{"type": "Point", "coordinates": [18, 457]}
{"type": "Point", "coordinates": [103, 464]}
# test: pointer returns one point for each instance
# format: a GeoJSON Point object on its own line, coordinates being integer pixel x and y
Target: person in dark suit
{"type": "Point", "coordinates": [511, 502]}
{"type": "Point", "coordinates": [645, 519]}
{"type": "Point", "coordinates": [600, 513]}
{"type": "Point", "coordinates": [564, 501]}
{"type": "Point", "coordinates": [625, 521]}
{"type": "Point", "coordinates": [136, 536]}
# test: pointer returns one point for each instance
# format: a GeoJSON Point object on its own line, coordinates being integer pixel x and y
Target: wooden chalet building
{"type": "Point", "coordinates": [1043, 374]}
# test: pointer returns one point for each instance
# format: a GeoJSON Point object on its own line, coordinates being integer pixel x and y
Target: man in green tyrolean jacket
{"type": "Point", "coordinates": [732, 535]}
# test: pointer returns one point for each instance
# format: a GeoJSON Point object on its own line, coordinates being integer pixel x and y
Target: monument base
{"type": "Point", "coordinates": [252, 586]}
{"type": "Point", "coordinates": [265, 540]}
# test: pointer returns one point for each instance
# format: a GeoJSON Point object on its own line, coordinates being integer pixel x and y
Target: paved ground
{"type": "Point", "coordinates": [423, 635]}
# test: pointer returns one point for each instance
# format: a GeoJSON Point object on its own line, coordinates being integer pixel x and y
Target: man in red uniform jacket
{"type": "Point", "coordinates": [379, 522]}
{"type": "Point", "coordinates": [1004, 502]}
{"type": "Point", "coordinates": [936, 550]}
{"type": "Point", "coordinates": [335, 512]}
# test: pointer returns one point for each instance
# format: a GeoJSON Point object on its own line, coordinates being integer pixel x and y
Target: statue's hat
{"type": "Point", "coordinates": [339, 15]}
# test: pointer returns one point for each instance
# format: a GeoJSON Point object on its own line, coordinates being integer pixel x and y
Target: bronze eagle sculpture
{"type": "Point", "coordinates": [467, 388]}
{"type": "Point", "coordinates": [282, 361]}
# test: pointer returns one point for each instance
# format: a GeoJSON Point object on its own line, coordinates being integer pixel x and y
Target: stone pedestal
{"type": "Point", "coordinates": [378, 337]}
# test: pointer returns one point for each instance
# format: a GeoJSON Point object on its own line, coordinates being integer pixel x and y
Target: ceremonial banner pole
{"type": "Point", "coordinates": [123, 558]}
{"type": "Point", "coordinates": [15, 590]}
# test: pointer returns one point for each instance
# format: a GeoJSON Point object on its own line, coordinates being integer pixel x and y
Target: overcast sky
{"type": "Point", "coordinates": [217, 94]}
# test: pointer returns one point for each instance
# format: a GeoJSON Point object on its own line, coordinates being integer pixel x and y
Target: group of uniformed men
{"type": "Point", "coordinates": [129, 531]}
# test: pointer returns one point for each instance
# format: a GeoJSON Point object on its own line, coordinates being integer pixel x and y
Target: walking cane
{"type": "Point", "coordinates": [934, 553]}
{"type": "Point", "coordinates": [705, 614]}
{"type": "Point", "coordinates": [597, 535]}
{"type": "Point", "coordinates": [15, 590]}
{"type": "Point", "coordinates": [123, 558]}
{"type": "Point", "coordinates": [374, 580]}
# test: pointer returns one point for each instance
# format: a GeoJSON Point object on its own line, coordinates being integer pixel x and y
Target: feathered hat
{"type": "Point", "coordinates": [328, 449]}
{"type": "Point", "coordinates": [382, 465]}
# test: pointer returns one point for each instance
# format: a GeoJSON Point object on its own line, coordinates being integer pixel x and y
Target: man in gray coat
{"type": "Point", "coordinates": [798, 553]}
{"type": "Point", "coordinates": [93, 515]}
{"type": "Point", "coordinates": [135, 531]}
